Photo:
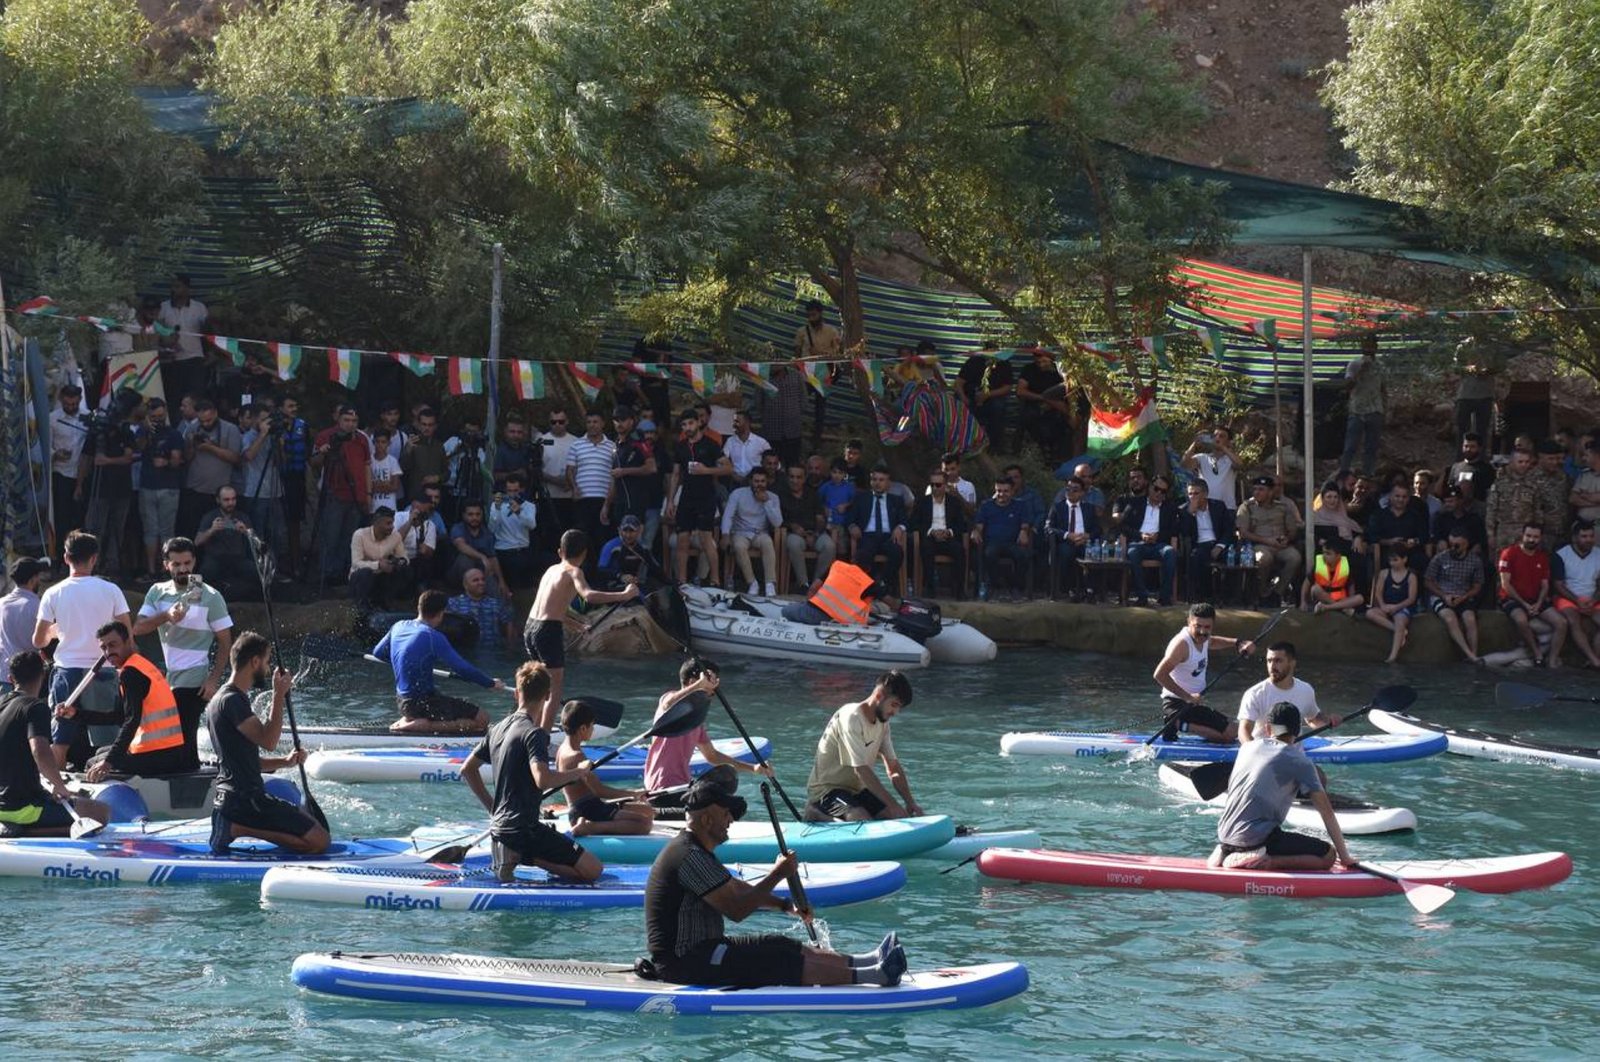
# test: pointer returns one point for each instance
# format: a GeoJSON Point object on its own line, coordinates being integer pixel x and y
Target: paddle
{"type": "Point", "coordinates": [266, 568]}
{"type": "Point", "coordinates": [83, 684]}
{"type": "Point", "coordinates": [1425, 898]}
{"type": "Point", "coordinates": [82, 825]}
{"type": "Point", "coordinates": [1516, 695]}
{"type": "Point", "coordinates": [797, 891]}
{"type": "Point", "coordinates": [1266, 629]}
{"type": "Point", "coordinates": [1211, 779]}
{"type": "Point", "coordinates": [679, 719]}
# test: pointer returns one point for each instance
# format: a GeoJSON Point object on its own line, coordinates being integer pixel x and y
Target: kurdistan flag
{"type": "Point", "coordinates": [528, 378]}
{"type": "Point", "coordinates": [1115, 434]}
{"type": "Point", "coordinates": [466, 376]}
{"type": "Point", "coordinates": [344, 366]}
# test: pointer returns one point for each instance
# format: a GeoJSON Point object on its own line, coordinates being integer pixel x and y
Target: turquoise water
{"type": "Point", "coordinates": [99, 971]}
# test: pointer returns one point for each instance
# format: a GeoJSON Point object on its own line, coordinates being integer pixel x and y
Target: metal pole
{"type": "Point", "coordinates": [492, 381]}
{"type": "Point", "coordinates": [1277, 415]}
{"type": "Point", "coordinates": [1307, 399]}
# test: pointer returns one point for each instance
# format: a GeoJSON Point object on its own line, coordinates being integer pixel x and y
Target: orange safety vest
{"type": "Point", "coordinates": [1334, 584]}
{"type": "Point", "coordinates": [159, 725]}
{"type": "Point", "coordinates": [840, 594]}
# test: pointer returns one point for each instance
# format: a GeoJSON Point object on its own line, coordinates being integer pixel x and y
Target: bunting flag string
{"type": "Point", "coordinates": [699, 376]}
{"type": "Point", "coordinates": [527, 378]}
{"type": "Point", "coordinates": [760, 374]}
{"type": "Point", "coordinates": [817, 374]}
{"type": "Point", "coordinates": [420, 364]}
{"type": "Point", "coordinates": [643, 368]}
{"type": "Point", "coordinates": [1156, 348]}
{"type": "Point", "coordinates": [1267, 329]}
{"type": "Point", "coordinates": [229, 346]}
{"type": "Point", "coordinates": [344, 367]}
{"type": "Point", "coordinates": [288, 358]}
{"type": "Point", "coordinates": [587, 373]}
{"type": "Point", "coordinates": [466, 376]}
{"type": "Point", "coordinates": [873, 374]}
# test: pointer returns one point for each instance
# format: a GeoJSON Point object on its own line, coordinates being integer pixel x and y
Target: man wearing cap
{"type": "Point", "coordinates": [626, 559]}
{"type": "Point", "coordinates": [1268, 776]}
{"type": "Point", "coordinates": [1459, 515]}
{"type": "Point", "coordinates": [635, 475]}
{"type": "Point", "coordinates": [690, 892]}
{"type": "Point", "coordinates": [1270, 529]}
{"type": "Point", "coordinates": [19, 610]}
{"type": "Point", "coordinates": [1553, 489]}
{"type": "Point", "coordinates": [844, 779]}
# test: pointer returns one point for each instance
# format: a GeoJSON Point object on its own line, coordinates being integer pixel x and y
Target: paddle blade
{"type": "Point", "coordinates": [1210, 780]}
{"type": "Point", "coordinates": [1394, 698]}
{"type": "Point", "coordinates": [1427, 898]}
{"type": "Point", "coordinates": [83, 826]}
{"type": "Point", "coordinates": [681, 718]}
{"type": "Point", "coordinates": [666, 607]}
{"type": "Point", "coordinates": [1516, 695]}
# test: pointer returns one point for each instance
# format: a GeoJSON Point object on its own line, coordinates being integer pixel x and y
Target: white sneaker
{"type": "Point", "coordinates": [1253, 859]}
{"type": "Point", "coordinates": [754, 590]}
{"type": "Point", "coordinates": [772, 591]}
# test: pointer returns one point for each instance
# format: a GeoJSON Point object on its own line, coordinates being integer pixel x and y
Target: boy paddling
{"type": "Point", "coordinates": [667, 766]}
{"type": "Point", "coordinates": [590, 809]}
{"type": "Point", "coordinates": [545, 636]}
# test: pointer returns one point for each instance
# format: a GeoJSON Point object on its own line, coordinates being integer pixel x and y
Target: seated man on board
{"type": "Point", "coordinates": [411, 648]}
{"type": "Point", "coordinates": [844, 779]}
{"type": "Point", "coordinates": [27, 764]}
{"type": "Point", "coordinates": [667, 764]}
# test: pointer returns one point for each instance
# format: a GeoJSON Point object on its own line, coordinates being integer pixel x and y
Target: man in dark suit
{"type": "Point", "coordinates": [878, 525]}
{"type": "Point", "coordinates": [941, 518]}
{"type": "Point", "coordinates": [1206, 528]}
{"type": "Point", "coordinates": [1072, 524]}
{"type": "Point", "coordinates": [1150, 532]}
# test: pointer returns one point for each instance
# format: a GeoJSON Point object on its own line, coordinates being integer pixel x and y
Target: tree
{"type": "Point", "coordinates": [1486, 112]}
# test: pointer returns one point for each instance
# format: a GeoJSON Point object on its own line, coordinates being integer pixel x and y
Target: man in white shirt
{"type": "Point", "coordinates": [963, 489]}
{"type": "Point", "coordinates": [414, 524]}
{"type": "Point", "coordinates": [73, 610]}
{"type": "Point", "coordinates": [67, 435]}
{"type": "Point", "coordinates": [183, 368]}
{"type": "Point", "coordinates": [1574, 570]}
{"type": "Point", "coordinates": [554, 446]}
{"type": "Point", "coordinates": [1211, 457]}
{"type": "Point", "coordinates": [751, 516]}
{"type": "Point", "coordinates": [744, 448]}
{"type": "Point", "coordinates": [1278, 687]}
{"type": "Point", "coordinates": [512, 519]}
{"type": "Point", "coordinates": [589, 463]}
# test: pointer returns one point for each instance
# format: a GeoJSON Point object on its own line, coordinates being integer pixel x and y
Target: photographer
{"type": "Point", "coordinates": [378, 566]}
{"type": "Point", "coordinates": [296, 446]}
{"type": "Point", "coordinates": [111, 444]}
{"type": "Point", "coordinates": [342, 460]}
{"type": "Point", "coordinates": [224, 544]}
{"type": "Point", "coordinates": [465, 455]}
{"type": "Point", "coordinates": [215, 447]}
{"type": "Point", "coordinates": [513, 519]}
{"type": "Point", "coordinates": [263, 488]}
{"type": "Point", "coordinates": [67, 482]}
{"type": "Point", "coordinates": [513, 453]}
{"type": "Point", "coordinates": [424, 460]}
{"type": "Point", "coordinates": [161, 448]}
{"type": "Point", "coordinates": [1211, 457]}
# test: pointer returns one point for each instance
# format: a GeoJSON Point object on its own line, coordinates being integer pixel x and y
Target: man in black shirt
{"type": "Point", "coordinates": [26, 809]}
{"type": "Point", "coordinates": [1458, 516]}
{"type": "Point", "coordinates": [690, 892]}
{"type": "Point", "coordinates": [697, 464]}
{"type": "Point", "coordinates": [1403, 526]}
{"type": "Point", "coordinates": [1042, 392]}
{"type": "Point", "coordinates": [1473, 472]}
{"type": "Point", "coordinates": [519, 750]}
{"type": "Point", "coordinates": [985, 381]}
{"type": "Point", "coordinates": [243, 806]}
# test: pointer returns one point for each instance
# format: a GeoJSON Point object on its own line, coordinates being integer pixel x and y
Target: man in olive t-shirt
{"type": "Point", "coordinates": [844, 782]}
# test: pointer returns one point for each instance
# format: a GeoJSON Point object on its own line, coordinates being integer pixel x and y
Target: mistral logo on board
{"type": "Point", "coordinates": [390, 902]}
{"type": "Point", "coordinates": [70, 872]}
{"type": "Point", "coordinates": [439, 776]}
{"type": "Point", "coordinates": [657, 1005]}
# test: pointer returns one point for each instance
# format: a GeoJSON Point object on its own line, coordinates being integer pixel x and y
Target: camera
{"type": "Point", "coordinates": [1205, 440]}
{"type": "Point", "coordinates": [277, 423]}
{"type": "Point", "coordinates": [342, 437]}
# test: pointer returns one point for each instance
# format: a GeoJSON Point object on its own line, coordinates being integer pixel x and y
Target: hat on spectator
{"type": "Point", "coordinates": [647, 425]}
{"type": "Point", "coordinates": [630, 523]}
{"type": "Point", "coordinates": [1263, 481]}
{"type": "Point", "coordinates": [1550, 446]}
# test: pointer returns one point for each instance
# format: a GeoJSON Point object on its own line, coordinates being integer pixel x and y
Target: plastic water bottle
{"type": "Point", "coordinates": [1232, 557]}
{"type": "Point", "coordinates": [1247, 556]}
{"type": "Point", "coordinates": [1092, 552]}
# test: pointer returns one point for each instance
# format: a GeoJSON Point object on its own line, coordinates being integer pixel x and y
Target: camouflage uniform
{"type": "Point", "coordinates": [1513, 501]}
{"type": "Point", "coordinates": [1553, 489]}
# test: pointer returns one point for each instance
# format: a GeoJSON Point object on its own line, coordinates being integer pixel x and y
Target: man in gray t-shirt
{"type": "Point", "coordinates": [1268, 776]}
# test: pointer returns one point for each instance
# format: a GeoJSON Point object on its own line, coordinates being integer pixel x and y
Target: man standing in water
{"type": "Point", "coordinates": [545, 636]}
{"type": "Point", "coordinates": [844, 780]}
{"type": "Point", "coordinates": [1182, 678]}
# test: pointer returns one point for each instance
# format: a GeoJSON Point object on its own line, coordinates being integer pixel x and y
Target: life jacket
{"type": "Point", "coordinates": [1336, 583]}
{"type": "Point", "coordinates": [840, 594]}
{"type": "Point", "coordinates": [159, 725]}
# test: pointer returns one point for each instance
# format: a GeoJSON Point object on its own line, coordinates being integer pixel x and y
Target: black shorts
{"type": "Point", "coordinates": [594, 809]}
{"type": "Point", "coordinates": [438, 707]}
{"type": "Point", "coordinates": [837, 803]}
{"type": "Point", "coordinates": [263, 811]}
{"type": "Point", "coordinates": [739, 962]}
{"type": "Point", "coordinates": [1282, 842]}
{"type": "Point", "coordinates": [696, 515]}
{"type": "Point", "coordinates": [1438, 606]}
{"type": "Point", "coordinates": [1183, 717]}
{"type": "Point", "coordinates": [546, 642]}
{"type": "Point", "coordinates": [541, 842]}
{"type": "Point", "coordinates": [47, 814]}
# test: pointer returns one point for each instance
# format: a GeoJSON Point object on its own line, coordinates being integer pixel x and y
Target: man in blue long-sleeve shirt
{"type": "Point", "coordinates": [412, 647]}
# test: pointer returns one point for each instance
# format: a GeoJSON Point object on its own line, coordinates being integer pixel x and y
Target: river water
{"type": "Point", "coordinates": [204, 970]}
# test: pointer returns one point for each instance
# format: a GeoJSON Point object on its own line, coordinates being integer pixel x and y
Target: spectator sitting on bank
{"type": "Point", "coordinates": [1330, 587]}
{"type": "Point", "coordinates": [418, 532]}
{"type": "Point", "coordinates": [858, 473]}
{"type": "Point", "coordinates": [224, 544]}
{"type": "Point", "coordinates": [1093, 496]}
{"type": "Point", "coordinates": [1473, 472]}
{"type": "Point", "coordinates": [495, 625]}
{"type": "Point", "coordinates": [838, 497]}
{"type": "Point", "coordinates": [1270, 526]}
{"type": "Point", "coordinates": [1401, 525]}
{"type": "Point", "coordinates": [1071, 525]}
{"type": "Point", "coordinates": [1363, 501]}
{"type": "Point", "coordinates": [878, 527]}
{"type": "Point", "coordinates": [1396, 603]}
{"type": "Point", "coordinates": [1331, 519]}
{"type": "Point", "coordinates": [1138, 487]}
{"type": "Point", "coordinates": [1149, 531]}
{"type": "Point", "coordinates": [744, 448]}
{"type": "Point", "coordinates": [474, 544]}
{"type": "Point", "coordinates": [1585, 496]}
{"type": "Point", "coordinates": [1525, 593]}
{"type": "Point", "coordinates": [1026, 496]}
{"type": "Point", "coordinates": [1573, 572]}
{"type": "Point", "coordinates": [1512, 504]}
{"type": "Point", "coordinates": [805, 521]}
{"type": "Point", "coordinates": [1454, 582]}
{"type": "Point", "coordinates": [750, 518]}
{"type": "Point", "coordinates": [961, 488]}
{"type": "Point", "coordinates": [1460, 513]}
{"type": "Point", "coordinates": [1003, 529]}
{"type": "Point", "coordinates": [1206, 526]}
{"type": "Point", "coordinates": [1554, 489]}
{"type": "Point", "coordinates": [816, 471]}
{"type": "Point", "coordinates": [379, 570]}
{"type": "Point", "coordinates": [941, 519]}
{"type": "Point", "coordinates": [1421, 491]}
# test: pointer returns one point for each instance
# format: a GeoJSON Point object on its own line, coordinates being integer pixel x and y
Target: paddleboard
{"type": "Point", "coordinates": [1497, 874]}
{"type": "Point", "coordinates": [477, 981]}
{"type": "Point", "coordinates": [444, 764]}
{"type": "Point", "coordinates": [1363, 748]}
{"type": "Point", "coordinates": [752, 841]}
{"type": "Point", "coordinates": [433, 889]}
{"type": "Point", "coordinates": [152, 861]}
{"type": "Point", "coordinates": [1355, 816]}
{"type": "Point", "coordinates": [1489, 745]}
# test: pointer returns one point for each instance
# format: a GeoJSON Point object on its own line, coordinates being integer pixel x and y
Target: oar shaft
{"type": "Point", "coordinates": [797, 891]}
{"type": "Point", "coordinates": [750, 743]}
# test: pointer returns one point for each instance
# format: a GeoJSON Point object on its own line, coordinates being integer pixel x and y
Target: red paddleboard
{"type": "Point", "coordinates": [1100, 870]}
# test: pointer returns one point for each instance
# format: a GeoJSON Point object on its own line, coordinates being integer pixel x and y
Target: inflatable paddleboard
{"type": "Point", "coordinates": [153, 861]}
{"type": "Point", "coordinates": [476, 981]}
{"type": "Point", "coordinates": [1355, 816]}
{"type": "Point", "coordinates": [432, 889]}
{"type": "Point", "coordinates": [1364, 748]}
{"type": "Point", "coordinates": [1489, 745]}
{"type": "Point", "coordinates": [751, 840]}
{"type": "Point", "coordinates": [1120, 871]}
{"type": "Point", "coordinates": [444, 764]}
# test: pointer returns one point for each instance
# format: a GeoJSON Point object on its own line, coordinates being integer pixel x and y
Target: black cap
{"type": "Point", "coordinates": [1550, 446]}
{"type": "Point", "coordinates": [1453, 491]}
{"type": "Point", "coordinates": [25, 568]}
{"type": "Point", "coordinates": [1263, 481]}
{"type": "Point", "coordinates": [704, 794]}
{"type": "Point", "coordinates": [1284, 719]}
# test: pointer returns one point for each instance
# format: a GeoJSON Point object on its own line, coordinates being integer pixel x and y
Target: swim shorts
{"type": "Point", "coordinates": [738, 962]}
{"type": "Point", "coordinates": [837, 803]}
{"type": "Point", "coordinates": [437, 707]}
{"type": "Point", "coordinates": [546, 642]}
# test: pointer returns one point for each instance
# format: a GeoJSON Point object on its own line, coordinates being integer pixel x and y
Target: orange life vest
{"type": "Point", "coordinates": [1335, 583]}
{"type": "Point", "coordinates": [159, 725]}
{"type": "Point", "coordinates": [840, 594]}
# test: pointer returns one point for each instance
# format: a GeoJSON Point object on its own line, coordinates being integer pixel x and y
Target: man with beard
{"type": "Point", "coordinates": [1454, 581]}
{"type": "Point", "coordinates": [1182, 678]}
{"type": "Point", "coordinates": [191, 620]}
{"type": "Point", "coordinates": [844, 781]}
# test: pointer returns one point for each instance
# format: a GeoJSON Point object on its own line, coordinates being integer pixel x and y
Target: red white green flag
{"type": "Point", "coordinates": [344, 367]}
{"type": "Point", "coordinates": [287, 356]}
{"type": "Point", "coordinates": [1267, 329]}
{"type": "Point", "coordinates": [420, 364]}
{"type": "Point", "coordinates": [528, 379]}
{"type": "Point", "coordinates": [1116, 434]}
{"type": "Point", "coordinates": [230, 346]}
{"type": "Point", "coordinates": [466, 376]}
{"type": "Point", "coordinates": [587, 373]}
{"type": "Point", "coordinates": [645, 368]}
{"type": "Point", "coordinates": [873, 372]}
{"type": "Point", "coordinates": [1211, 339]}
{"type": "Point", "coordinates": [700, 376]}
{"type": "Point", "coordinates": [760, 374]}
{"type": "Point", "coordinates": [816, 374]}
